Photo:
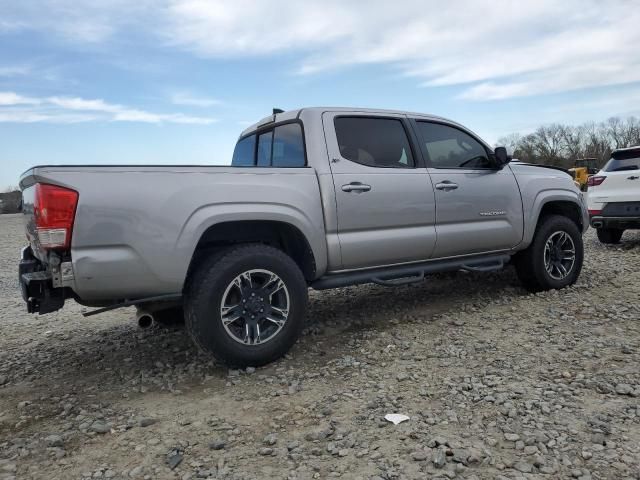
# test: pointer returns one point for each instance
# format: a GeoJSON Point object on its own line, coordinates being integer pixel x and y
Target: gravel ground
{"type": "Point", "coordinates": [497, 383]}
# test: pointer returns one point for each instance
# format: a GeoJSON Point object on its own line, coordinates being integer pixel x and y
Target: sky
{"type": "Point", "coordinates": [176, 81]}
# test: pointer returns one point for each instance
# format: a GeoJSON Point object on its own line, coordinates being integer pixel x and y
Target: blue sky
{"type": "Point", "coordinates": [175, 81]}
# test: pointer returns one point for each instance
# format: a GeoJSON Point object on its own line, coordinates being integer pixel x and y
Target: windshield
{"type": "Point", "coordinates": [615, 165]}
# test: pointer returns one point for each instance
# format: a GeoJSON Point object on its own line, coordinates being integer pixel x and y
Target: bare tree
{"type": "Point", "coordinates": [511, 142]}
{"type": "Point", "coordinates": [562, 145]}
{"type": "Point", "coordinates": [597, 143]}
{"type": "Point", "coordinates": [573, 138]}
{"type": "Point", "coordinates": [548, 144]}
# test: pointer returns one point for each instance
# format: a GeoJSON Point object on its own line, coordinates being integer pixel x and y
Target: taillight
{"type": "Point", "coordinates": [54, 211]}
{"type": "Point", "coordinates": [595, 212]}
{"type": "Point", "coordinates": [595, 180]}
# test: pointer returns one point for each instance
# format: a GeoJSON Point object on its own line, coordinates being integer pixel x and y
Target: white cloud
{"type": "Point", "coordinates": [12, 98]}
{"type": "Point", "coordinates": [64, 110]}
{"type": "Point", "coordinates": [7, 26]}
{"type": "Point", "coordinates": [495, 50]}
{"type": "Point", "coordinates": [491, 49]}
{"type": "Point", "coordinates": [190, 100]}
{"type": "Point", "coordinates": [248, 27]}
{"type": "Point", "coordinates": [79, 21]}
{"type": "Point", "coordinates": [14, 70]}
{"type": "Point", "coordinates": [75, 103]}
{"type": "Point", "coordinates": [35, 116]}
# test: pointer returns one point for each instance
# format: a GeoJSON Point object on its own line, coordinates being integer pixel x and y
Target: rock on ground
{"type": "Point", "coordinates": [497, 382]}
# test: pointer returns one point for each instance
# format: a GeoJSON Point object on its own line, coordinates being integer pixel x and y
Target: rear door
{"type": "Point", "coordinates": [478, 208]}
{"type": "Point", "coordinates": [384, 197]}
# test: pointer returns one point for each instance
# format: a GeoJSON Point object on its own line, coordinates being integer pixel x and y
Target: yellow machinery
{"type": "Point", "coordinates": [580, 176]}
{"type": "Point", "coordinates": [583, 168]}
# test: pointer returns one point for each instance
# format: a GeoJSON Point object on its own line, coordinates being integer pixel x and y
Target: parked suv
{"type": "Point", "coordinates": [316, 197]}
{"type": "Point", "coordinates": [614, 195]}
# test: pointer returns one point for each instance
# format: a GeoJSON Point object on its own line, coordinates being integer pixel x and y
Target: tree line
{"type": "Point", "coordinates": [10, 201]}
{"type": "Point", "coordinates": [561, 145]}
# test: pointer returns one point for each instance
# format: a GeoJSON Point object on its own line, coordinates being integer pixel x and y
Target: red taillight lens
{"type": "Point", "coordinates": [595, 180]}
{"type": "Point", "coordinates": [595, 212]}
{"type": "Point", "coordinates": [54, 212]}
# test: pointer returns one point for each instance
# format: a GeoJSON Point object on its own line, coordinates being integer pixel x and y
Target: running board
{"type": "Point", "coordinates": [407, 274]}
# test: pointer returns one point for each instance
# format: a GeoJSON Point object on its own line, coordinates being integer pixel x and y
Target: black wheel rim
{"type": "Point", "coordinates": [559, 255]}
{"type": "Point", "coordinates": [255, 307]}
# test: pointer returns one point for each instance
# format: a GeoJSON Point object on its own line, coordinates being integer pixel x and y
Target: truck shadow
{"type": "Point", "coordinates": [123, 355]}
{"type": "Point", "coordinates": [373, 306]}
{"type": "Point", "coordinates": [108, 348]}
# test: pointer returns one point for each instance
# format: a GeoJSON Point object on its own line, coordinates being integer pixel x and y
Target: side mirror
{"type": "Point", "coordinates": [501, 157]}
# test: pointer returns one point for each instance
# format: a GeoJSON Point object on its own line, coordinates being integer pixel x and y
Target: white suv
{"type": "Point", "coordinates": [613, 196]}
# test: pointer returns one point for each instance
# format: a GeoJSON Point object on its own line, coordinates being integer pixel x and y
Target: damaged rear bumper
{"type": "Point", "coordinates": [37, 284]}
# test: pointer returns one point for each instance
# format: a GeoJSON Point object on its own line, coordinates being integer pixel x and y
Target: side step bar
{"type": "Point", "coordinates": [406, 274]}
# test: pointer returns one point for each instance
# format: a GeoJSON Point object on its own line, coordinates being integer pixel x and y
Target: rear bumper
{"type": "Point", "coordinates": [36, 285]}
{"type": "Point", "coordinates": [622, 223]}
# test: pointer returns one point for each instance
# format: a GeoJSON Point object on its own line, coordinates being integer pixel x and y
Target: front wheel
{"type": "Point", "coordinates": [246, 306]}
{"type": "Point", "coordinates": [609, 235]}
{"type": "Point", "coordinates": [554, 258]}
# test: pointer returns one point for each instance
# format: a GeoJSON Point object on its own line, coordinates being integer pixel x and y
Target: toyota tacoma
{"type": "Point", "coordinates": [315, 197]}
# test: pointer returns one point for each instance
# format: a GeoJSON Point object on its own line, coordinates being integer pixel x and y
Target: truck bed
{"type": "Point", "coordinates": [136, 227]}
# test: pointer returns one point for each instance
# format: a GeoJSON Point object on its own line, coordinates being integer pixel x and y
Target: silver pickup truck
{"type": "Point", "coordinates": [316, 197]}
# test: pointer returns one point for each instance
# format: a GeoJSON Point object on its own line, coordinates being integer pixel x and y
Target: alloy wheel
{"type": "Point", "coordinates": [255, 307]}
{"type": "Point", "coordinates": [559, 255]}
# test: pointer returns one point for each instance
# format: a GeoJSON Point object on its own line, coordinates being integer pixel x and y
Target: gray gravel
{"type": "Point", "coordinates": [497, 383]}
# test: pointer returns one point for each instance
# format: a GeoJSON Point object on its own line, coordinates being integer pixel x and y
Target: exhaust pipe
{"type": "Point", "coordinates": [597, 224]}
{"type": "Point", "coordinates": [145, 319]}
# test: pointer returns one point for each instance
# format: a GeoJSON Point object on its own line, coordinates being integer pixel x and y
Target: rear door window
{"type": "Point", "coordinates": [288, 146]}
{"type": "Point", "coordinates": [265, 141]}
{"type": "Point", "coordinates": [375, 142]}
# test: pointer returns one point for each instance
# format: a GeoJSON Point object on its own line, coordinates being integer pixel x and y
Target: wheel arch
{"type": "Point", "coordinates": [279, 234]}
{"type": "Point", "coordinates": [555, 202]}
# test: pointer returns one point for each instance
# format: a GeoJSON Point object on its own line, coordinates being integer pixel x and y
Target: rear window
{"type": "Point", "coordinates": [243, 153]}
{"type": "Point", "coordinates": [621, 165]}
{"type": "Point", "coordinates": [282, 146]}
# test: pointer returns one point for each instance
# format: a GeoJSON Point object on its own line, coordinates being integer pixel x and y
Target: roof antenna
{"type": "Point", "coordinates": [277, 110]}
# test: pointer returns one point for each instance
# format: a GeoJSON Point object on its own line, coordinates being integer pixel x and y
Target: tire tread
{"type": "Point", "coordinates": [199, 289]}
{"type": "Point", "coordinates": [530, 269]}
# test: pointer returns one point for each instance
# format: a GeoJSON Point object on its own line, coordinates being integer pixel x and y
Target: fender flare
{"type": "Point", "coordinates": [544, 197]}
{"type": "Point", "coordinates": [210, 215]}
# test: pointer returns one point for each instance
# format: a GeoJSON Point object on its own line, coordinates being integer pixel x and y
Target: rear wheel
{"type": "Point", "coordinates": [609, 235]}
{"type": "Point", "coordinates": [554, 258]}
{"type": "Point", "coordinates": [246, 305]}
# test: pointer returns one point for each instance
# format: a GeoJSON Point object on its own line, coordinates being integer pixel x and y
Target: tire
{"type": "Point", "coordinates": [230, 277]}
{"type": "Point", "coordinates": [609, 235]}
{"type": "Point", "coordinates": [531, 264]}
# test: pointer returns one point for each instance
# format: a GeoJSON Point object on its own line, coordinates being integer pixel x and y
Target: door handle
{"type": "Point", "coordinates": [446, 186]}
{"type": "Point", "coordinates": [356, 187]}
{"type": "Point", "coordinates": [633, 177]}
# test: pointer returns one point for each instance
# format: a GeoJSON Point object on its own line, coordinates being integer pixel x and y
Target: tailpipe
{"type": "Point", "coordinates": [145, 319]}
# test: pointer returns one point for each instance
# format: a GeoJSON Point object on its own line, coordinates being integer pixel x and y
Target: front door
{"type": "Point", "coordinates": [478, 208]}
{"type": "Point", "coordinates": [384, 197]}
